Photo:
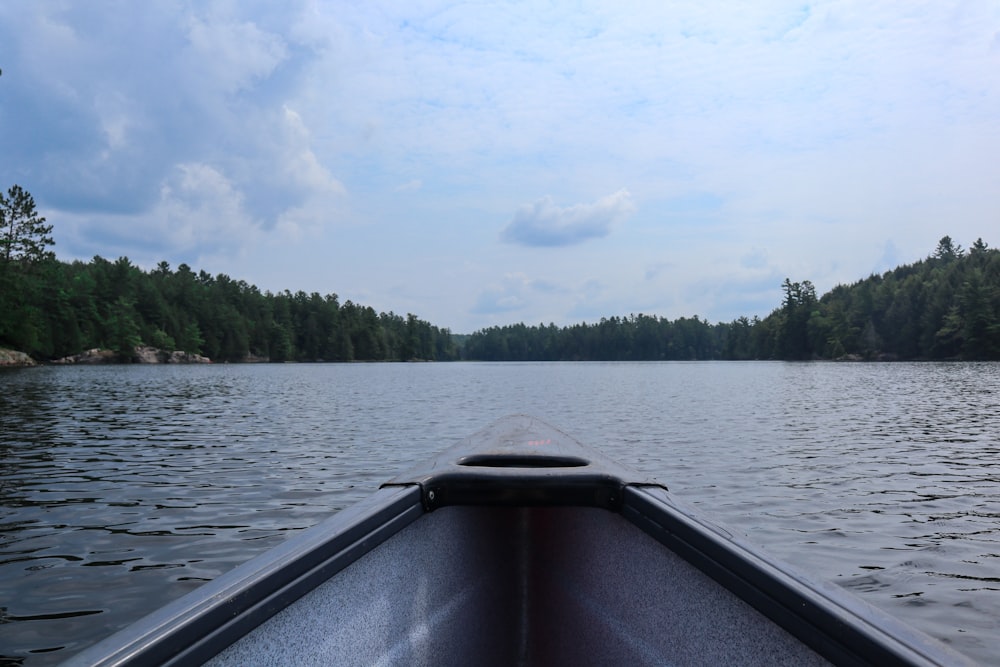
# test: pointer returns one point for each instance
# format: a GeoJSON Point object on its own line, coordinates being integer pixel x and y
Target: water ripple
{"type": "Point", "coordinates": [122, 488]}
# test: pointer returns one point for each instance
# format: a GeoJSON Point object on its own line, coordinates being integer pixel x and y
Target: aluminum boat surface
{"type": "Point", "coordinates": [518, 546]}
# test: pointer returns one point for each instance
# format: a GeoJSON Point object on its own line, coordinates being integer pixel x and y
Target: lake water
{"type": "Point", "coordinates": [124, 487]}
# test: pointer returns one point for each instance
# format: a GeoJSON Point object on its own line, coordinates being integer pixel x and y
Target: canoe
{"type": "Point", "coordinates": [518, 546]}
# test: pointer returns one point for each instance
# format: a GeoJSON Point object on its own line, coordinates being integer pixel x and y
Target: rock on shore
{"type": "Point", "coordinates": [15, 358]}
{"type": "Point", "coordinates": [94, 356]}
{"type": "Point", "coordinates": [152, 355]}
{"type": "Point", "coordinates": [142, 355]}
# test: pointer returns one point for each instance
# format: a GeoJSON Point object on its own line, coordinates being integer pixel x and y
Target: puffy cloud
{"type": "Point", "coordinates": [200, 208]}
{"type": "Point", "coordinates": [231, 56]}
{"type": "Point", "coordinates": [301, 163]}
{"type": "Point", "coordinates": [545, 224]}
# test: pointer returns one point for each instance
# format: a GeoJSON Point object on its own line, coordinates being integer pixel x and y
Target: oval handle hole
{"type": "Point", "coordinates": [514, 461]}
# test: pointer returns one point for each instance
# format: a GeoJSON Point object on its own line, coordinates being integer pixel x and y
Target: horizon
{"type": "Point", "coordinates": [343, 299]}
{"type": "Point", "coordinates": [488, 165]}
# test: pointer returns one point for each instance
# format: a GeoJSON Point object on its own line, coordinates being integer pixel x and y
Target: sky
{"type": "Point", "coordinates": [489, 163]}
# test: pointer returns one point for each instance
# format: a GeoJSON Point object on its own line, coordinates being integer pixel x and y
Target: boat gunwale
{"type": "Point", "coordinates": [840, 626]}
{"type": "Point", "coordinates": [203, 622]}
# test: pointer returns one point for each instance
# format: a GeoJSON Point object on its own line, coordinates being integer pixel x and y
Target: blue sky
{"type": "Point", "coordinates": [490, 163]}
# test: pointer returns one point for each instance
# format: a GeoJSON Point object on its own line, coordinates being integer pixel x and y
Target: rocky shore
{"type": "Point", "coordinates": [141, 355]}
{"type": "Point", "coordinates": [15, 358]}
{"type": "Point", "coordinates": [152, 355]}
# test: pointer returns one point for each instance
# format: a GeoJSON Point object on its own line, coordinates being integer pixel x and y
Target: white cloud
{"type": "Point", "coordinates": [545, 224]}
{"type": "Point", "coordinates": [200, 208]}
{"type": "Point", "coordinates": [231, 56]}
{"type": "Point", "coordinates": [298, 167]}
{"type": "Point", "coordinates": [766, 139]}
{"type": "Point", "coordinates": [300, 163]}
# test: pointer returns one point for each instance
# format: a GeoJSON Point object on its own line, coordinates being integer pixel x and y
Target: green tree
{"type": "Point", "coordinates": [24, 239]}
{"type": "Point", "coordinates": [122, 328]}
{"type": "Point", "coordinates": [797, 309]}
{"type": "Point", "coordinates": [24, 236]}
{"type": "Point", "coordinates": [947, 250]}
{"type": "Point", "coordinates": [191, 339]}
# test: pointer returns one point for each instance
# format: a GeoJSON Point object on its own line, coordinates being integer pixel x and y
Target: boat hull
{"type": "Point", "coordinates": [519, 546]}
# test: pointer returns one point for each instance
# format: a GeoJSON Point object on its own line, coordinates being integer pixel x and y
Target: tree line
{"type": "Point", "coordinates": [62, 308]}
{"type": "Point", "coordinates": [946, 306]}
{"type": "Point", "coordinates": [51, 309]}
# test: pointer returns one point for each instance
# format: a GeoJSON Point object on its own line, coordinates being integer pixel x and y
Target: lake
{"type": "Point", "coordinates": [124, 487]}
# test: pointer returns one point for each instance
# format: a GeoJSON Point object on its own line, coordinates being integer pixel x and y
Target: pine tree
{"type": "Point", "coordinates": [24, 235]}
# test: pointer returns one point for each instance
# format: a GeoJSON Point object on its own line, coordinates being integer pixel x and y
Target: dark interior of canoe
{"type": "Point", "coordinates": [486, 558]}
{"type": "Point", "coordinates": [509, 586]}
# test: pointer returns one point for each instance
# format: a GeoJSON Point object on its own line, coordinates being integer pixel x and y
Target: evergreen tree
{"type": "Point", "coordinates": [24, 236]}
{"type": "Point", "coordinates": [24, 242]}
{"type": "Point", "coordinates": [947, 250]}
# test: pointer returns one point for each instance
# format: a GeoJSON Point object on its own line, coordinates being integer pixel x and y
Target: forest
{"type": "Point", "coordinates": [51, 309]}
{"type": "Point", "coordinates": [946, 306]}
{"type": "Point", "coordinates": [62, 308]}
